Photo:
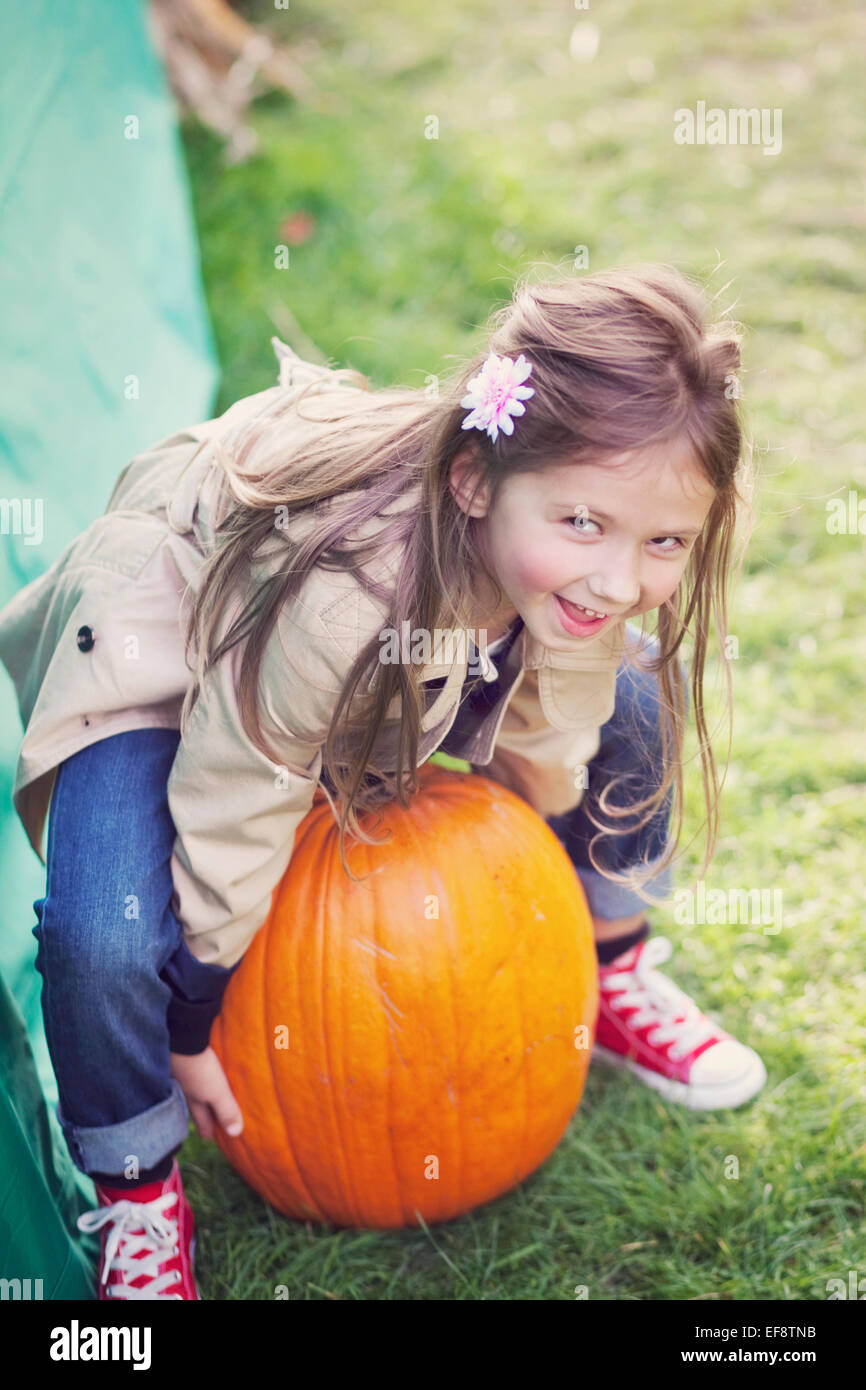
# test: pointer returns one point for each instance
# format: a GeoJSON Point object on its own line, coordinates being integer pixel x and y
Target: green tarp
{"type": "Point", "coordinates": [105, 347]}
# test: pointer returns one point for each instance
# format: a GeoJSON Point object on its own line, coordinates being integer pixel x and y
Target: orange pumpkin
{"type": "Point", "coordinates": [412, 1045]}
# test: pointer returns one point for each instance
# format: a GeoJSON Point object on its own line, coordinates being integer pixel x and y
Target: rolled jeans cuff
{"type": "Point", "coordinates": [147, 1137]}
{"type": "Point", "coordinates": [612, 900]}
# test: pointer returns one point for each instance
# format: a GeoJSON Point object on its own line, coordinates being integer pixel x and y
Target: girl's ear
{"type": "Point", "coordinates": [462, 477]}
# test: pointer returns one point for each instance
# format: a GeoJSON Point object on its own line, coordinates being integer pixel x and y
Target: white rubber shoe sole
{"type": "Point", "coordinates": [745, 1075]}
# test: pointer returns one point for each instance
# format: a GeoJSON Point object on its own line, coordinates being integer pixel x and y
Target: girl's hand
{"type": "Point", "coordinates": [207, 1092]}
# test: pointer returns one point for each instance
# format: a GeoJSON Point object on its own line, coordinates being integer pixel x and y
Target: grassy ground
{"type": "Point", "coordinates": [415, 240]}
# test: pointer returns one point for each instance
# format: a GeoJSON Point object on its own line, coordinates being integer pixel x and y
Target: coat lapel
{"type": "Point", "coordinates": [576, 689]}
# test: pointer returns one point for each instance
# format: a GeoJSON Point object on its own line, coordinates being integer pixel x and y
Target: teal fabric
{"type": "Point", "coordinates": [40, 1191]}
{"type": "Point", "coordinates": [105, 348]}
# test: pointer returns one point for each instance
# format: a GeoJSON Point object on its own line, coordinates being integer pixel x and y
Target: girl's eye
{"type": "Point", "coordinates": [581, 523]}
{"type": "Point", "coordinates": [584, 522]}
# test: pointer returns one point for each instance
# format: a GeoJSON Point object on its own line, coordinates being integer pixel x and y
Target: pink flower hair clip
{"type": "Point", "coordinates": [496, 394]}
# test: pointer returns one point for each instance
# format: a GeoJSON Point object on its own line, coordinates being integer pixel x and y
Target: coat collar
{"type": "Point", "coordinates": [577, 688]}
{"type": "Point", "coordinates": [574, 687]}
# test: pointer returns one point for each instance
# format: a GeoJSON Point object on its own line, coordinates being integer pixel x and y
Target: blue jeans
{"type": "Point", "coordinates": [111, 950]}
{"type": "Point", "coordinates": [111, 953]}
{"type": "Point", "coordinates": [630, 749]}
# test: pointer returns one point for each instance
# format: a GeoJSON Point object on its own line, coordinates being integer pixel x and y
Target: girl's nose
{"type": "Point", "coordinates": [619, 588]}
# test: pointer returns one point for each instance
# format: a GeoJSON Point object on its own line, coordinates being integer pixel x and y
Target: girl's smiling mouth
{"type": "Point", "coordinates": [576, 620]}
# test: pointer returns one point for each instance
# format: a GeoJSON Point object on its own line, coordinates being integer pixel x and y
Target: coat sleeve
{"type": "Point", "coordinates": [236, 812]}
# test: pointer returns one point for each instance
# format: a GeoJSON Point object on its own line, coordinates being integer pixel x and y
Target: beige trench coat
{"type": "Point", "coordinates": [94, 647]}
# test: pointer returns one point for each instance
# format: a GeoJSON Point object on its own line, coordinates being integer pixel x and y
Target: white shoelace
{"type": "Point", "coordinates": [659, 1001]}
{"type": "Point", "coordinates": [158, 1237]}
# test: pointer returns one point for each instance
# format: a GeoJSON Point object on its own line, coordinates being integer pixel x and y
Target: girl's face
{"type": "Point", "coordinates": [613, 537]}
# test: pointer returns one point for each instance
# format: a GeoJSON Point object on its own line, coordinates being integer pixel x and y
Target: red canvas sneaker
{"type": "Point", "coordinates": [649, 1026]}
{"type": "Point", "coordinates": [148, 1241]}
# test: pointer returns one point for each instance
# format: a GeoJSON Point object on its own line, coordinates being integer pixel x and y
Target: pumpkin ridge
{"type": "Point", "coordinates": [395, 1167]}
{"type": "Point", "coordinates": [270, 945]}
{"type": "Point", "coordinates": [520, 1014]}
{"type": "Point", "coordinates": [419, 844]}
{"type": "Point", "coordinates": [523, 1016]}
{"type": "Point", "coordinates": [462, 1145]}
{"type": "Point", "coordinates": [348, 1195]}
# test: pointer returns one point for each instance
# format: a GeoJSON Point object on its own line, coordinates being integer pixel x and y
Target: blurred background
{"type": "Point", "coordinates": [183, 179]}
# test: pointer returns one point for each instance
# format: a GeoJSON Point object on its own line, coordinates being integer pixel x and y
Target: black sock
{"type": "Point", "coordinates": [608, 951]}
{"type": "Point", "coordinates": [158, 1173]}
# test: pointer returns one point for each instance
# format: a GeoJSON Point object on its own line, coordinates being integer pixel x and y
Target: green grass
{"type": "Point", "coordinates": [415, 241]}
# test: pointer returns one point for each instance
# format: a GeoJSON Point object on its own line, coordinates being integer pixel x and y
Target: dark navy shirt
{"type": "Point", "coordinates": [477, 697]}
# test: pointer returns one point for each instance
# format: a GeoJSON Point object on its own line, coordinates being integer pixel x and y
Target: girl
{"type": "Point", "coordinates": [585, 471]}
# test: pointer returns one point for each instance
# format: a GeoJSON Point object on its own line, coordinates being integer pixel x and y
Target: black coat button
{"type": "Point", "coordinates": [85, 639]}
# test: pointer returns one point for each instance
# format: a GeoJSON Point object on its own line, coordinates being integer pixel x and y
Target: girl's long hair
{"type": "Point", "coordinates": [621, 359]}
